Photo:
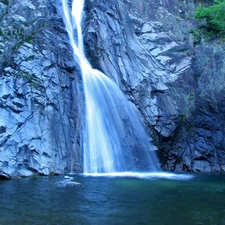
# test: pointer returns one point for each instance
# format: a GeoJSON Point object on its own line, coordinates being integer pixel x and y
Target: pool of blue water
{"type": "Point", "coordinates": [151, 199]}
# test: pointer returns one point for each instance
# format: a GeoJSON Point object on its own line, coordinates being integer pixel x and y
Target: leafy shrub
{"type": "Point", "coordinates": [213, 16]}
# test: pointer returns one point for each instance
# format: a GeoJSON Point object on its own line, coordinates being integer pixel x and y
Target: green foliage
{"type": "Point", "coordinates": [213, 17]}
{"type": "Point", "coordinates": [218, 1]}
{"type": "Point", "coordinates": [196, 34]}
{"type": "Point", "coordinates": [5, 2]}
{"type": "Point", "coordinates": [29, 78]}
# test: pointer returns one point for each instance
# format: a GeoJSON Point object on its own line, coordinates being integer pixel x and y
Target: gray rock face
{"type": "Point", "coordinates": [174, 78]}
{"type": "Point", "coordinates": [38, 92]}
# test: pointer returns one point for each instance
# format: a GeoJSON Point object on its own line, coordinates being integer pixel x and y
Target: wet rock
{"type": "Point", "coordinates": [67, 182]}
{"type": "Point", "coordinates": [4, 176]}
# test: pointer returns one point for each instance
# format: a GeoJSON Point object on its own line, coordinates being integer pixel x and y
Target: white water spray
{"type": "Point", "coordinates": [113, 139]}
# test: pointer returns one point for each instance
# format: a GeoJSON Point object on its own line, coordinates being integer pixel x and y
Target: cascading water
{"type": "Point", "coordinates": [113, 139]}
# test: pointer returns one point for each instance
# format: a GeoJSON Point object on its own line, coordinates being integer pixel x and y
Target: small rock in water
{"type": "Point", "coordinates": [68, 177]}
{"type": "Point", "coordinates": [4, 176]}
{"type": "Point", "coordinates": [67, 182]}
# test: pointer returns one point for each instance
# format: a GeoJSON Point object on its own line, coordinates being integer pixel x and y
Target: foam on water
{"type": "Point", "coordinates": [150, 175]}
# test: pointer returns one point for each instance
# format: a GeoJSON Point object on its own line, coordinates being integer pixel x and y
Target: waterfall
{"type": "Point", "coordinates": [113, 139]}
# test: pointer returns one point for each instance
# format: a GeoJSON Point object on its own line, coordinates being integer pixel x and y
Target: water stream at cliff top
{"type": "Point", "coordinates": [113, 139]}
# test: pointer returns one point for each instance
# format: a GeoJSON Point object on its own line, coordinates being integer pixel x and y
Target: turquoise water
{"type": "Point", "coordinates": [154, 200]}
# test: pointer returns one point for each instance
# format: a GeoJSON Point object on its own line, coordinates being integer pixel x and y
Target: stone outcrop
{"type": "Point", "coordinates": [173, 74]}
{"type": "Point", "coordinates": [38, 91]}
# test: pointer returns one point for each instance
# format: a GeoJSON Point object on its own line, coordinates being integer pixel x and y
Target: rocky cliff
{"type": "Point", "coordinates": [172, 73]}
{"type": "Point", "coordinates": [38, 91]}
{"type": "Point", "coordinates": [151, 49]}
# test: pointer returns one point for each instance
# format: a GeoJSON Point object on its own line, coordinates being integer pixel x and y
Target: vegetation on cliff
{"type": "Point", "coordinates": [212, 18]}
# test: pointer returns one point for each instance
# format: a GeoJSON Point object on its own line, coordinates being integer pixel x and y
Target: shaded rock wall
{"type": "Point", "coordinates": [174, 76]}
{"type": "Point", "coordinates": [38, 91]}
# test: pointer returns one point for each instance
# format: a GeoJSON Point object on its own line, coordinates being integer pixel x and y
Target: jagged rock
{"type": "Point", "coordinates": [38, 92]}
{"type": "Point", "coordinates": [175, 81]}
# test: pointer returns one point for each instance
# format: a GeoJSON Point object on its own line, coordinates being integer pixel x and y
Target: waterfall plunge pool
{"type": "Point", "coordinates": [153, 199]}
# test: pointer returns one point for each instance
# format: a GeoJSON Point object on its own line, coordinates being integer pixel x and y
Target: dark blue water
{"type": "Point", "coordinates": [114, 200]}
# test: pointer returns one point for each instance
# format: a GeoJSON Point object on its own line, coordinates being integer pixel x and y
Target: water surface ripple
{"type": "Point", "coordinates": [157, 199]}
